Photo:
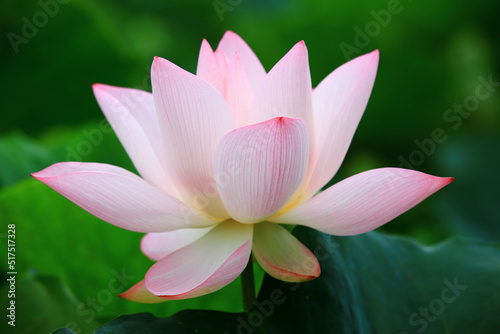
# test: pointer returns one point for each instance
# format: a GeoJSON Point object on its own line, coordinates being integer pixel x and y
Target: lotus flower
{"type": "Point", "coordinates": [228, 155]}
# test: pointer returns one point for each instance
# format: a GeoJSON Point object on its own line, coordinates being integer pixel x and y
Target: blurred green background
{"type": "Point", "coordinates": [435, 56]}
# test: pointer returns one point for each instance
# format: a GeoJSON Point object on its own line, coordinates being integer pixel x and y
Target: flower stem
{"type": "Point", "coordinates": [248, 286]}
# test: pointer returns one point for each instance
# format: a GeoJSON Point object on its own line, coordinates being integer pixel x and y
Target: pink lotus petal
{"type": "Point", "coordinates": [222, 60]}
{"type": "Point", "coordinates": [120, 197]}
{"type": "Point", "coordinates": [286, 91]}
{"type": "Point", "coordinates": [239, 94]}
{"type": "Point", "coordinates": [158, 245]}
{"type": "Point", "coordinates": [209, 68]}
{"type": "Point", "coordinates": [364, 201]}
{"type": "Point", "coordinates": [132, 114]}
{"type": "Point", "coordinates": [282, 256]}
{"type": "Point", "coordinates": [260, 166]}
{"type": "Point", "coordinates": [203, 266]}
{"type": "Point", "coordinates": [193, 117]}
{"type": "Point", "coordinates": [339, 102]}
{"type": "Point", "coordinates": [231, 43]}
{"type": "Point", "coordinates": [139, 293]}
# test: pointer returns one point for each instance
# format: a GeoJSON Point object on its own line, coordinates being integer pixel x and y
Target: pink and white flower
{"type": "Point", "coordinates": [229, 154]}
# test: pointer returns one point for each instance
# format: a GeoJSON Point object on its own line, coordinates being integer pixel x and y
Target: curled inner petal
{"type": "Point", "coordinates": [258, 167]}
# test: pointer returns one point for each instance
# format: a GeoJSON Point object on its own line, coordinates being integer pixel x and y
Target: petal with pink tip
{"type": "Point", "coordinates": [339, 102]}
{"type": "Point", "coordinates": [286, 90]}
{"type": "Point", "coordinates": [209, 68]}
{"type": "Point", "coordinates": [158, 245]}
{"type": "Point", "coordinates": [203, 266]}
{"type": "Point", "coordinates": [139, 293]}
{"type": "Point", "coordinates": [239, 94]}
{"type": "Point", "coordinates": [260, 166]}
{"type": "Point", "coordinates": [120, 197]}
{"type": "Point", "coordinates": [132, 114]}
{"type": "Point", "coordinates": [193, 118]}
{"type": "Point", "coordinates": [364, 201]}
{"type": "Point", "coordinates": [282, 256]}
{"type": "Point", "coordinates": [231, 43]}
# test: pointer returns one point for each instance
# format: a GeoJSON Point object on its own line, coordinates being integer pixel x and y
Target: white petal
{"type": "Point", "coordinates": [231, 43]}
{"type": "Point", "coordinates": [364, 201]}
{"type": "Point", "coordinates": [260, 166]}
{"type": "Point", "coordinates": [120, 197]}
{"type": "Point", "coordinates": [239, 94]}
{"type": "Point", "coordinates": [132, 114]}
{"type": "Point", "coordinates": [339, 102]}
{"type": "Point", "coordinates": [193, 117]}
{"type": "Point", "coordinates": [204, 266]}
{"type": "Point", "coordinates": [158, 245]}
{"type": "Point", "coordinates": [210, 69]}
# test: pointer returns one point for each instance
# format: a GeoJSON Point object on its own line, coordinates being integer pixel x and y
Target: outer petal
{"type": "Point", "coordinates": [120, 197]}
{"type": "Point", "coordinates": [209, 68]}
{"type": "Point", "coordinates": [282, 256]}
{"type": "Point", "coordinates": [231, 43]}
{"type": "Point", "coordinates": [259, 167]}
{"type": "Point", "coordinates": [132, 114]}
{"type": "Point", "coordinates": [339, 102]}
{"type": "Point", "coordinates": [239, 94]}
{"type": "Point", "coordinates": [193, 117]}
{"type": "Point", "coordinates": [364, 201]}
{"type": "Point", "coordinates": [158, 245]}
{"type": "Point", "coordinates": [204, 266]}
{"type": "Point", "coordinates": [139, 293]}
